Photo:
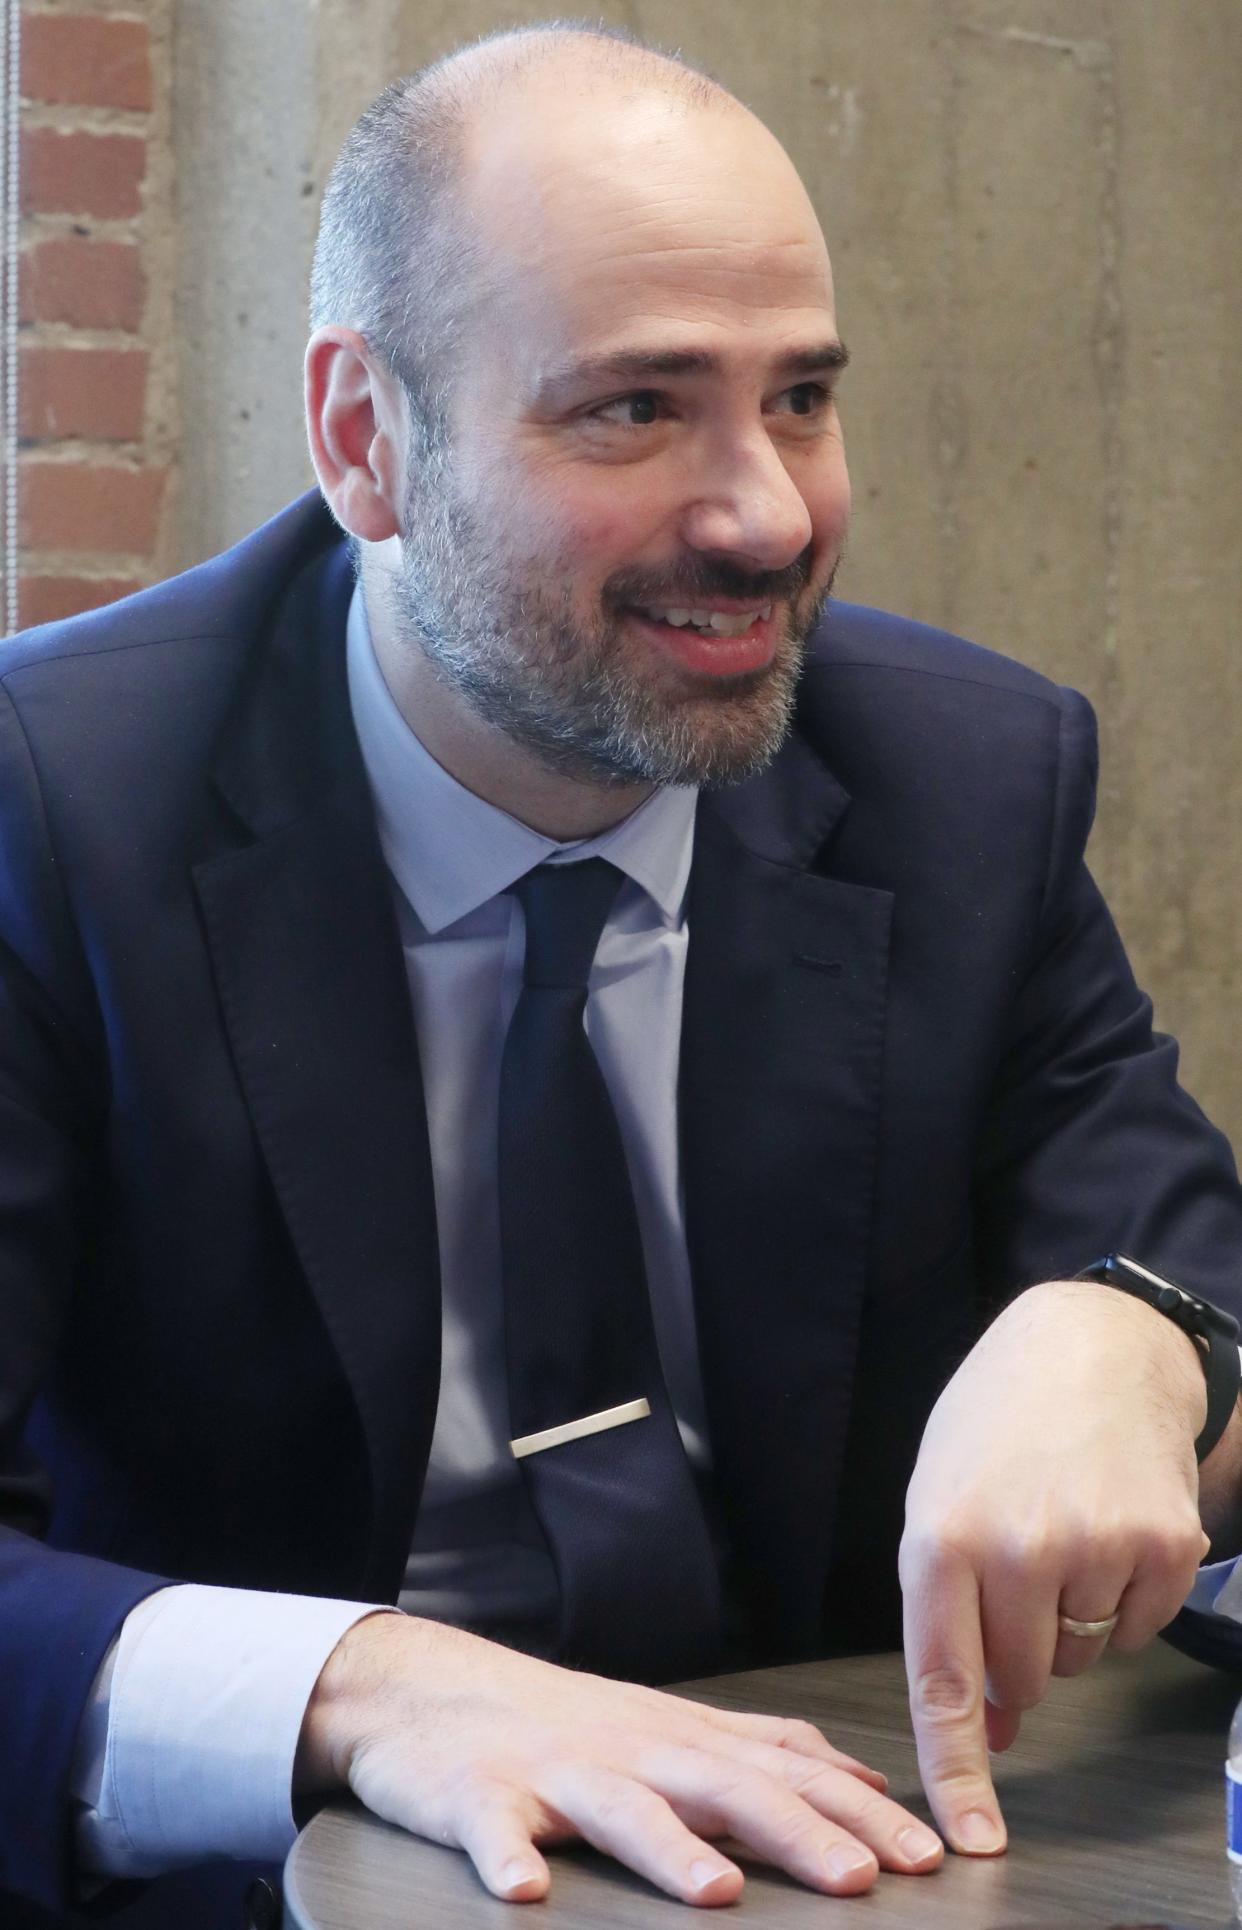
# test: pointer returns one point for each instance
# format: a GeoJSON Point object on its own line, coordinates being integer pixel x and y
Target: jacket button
{"type": "Point", "coordinates": [262, 1907]}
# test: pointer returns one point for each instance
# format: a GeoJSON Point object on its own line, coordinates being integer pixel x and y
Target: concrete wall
{"type": "Point", "coordinates": [245, 117]}
{"type": "Point", "coordinates": [1032, 206]}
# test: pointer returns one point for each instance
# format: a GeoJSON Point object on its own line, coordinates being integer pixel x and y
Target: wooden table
{"type": "Point", "coordinates": [1113, 1795]}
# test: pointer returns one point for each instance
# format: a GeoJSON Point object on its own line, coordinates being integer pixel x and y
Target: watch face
{"type": "Point", "coordinates": [1187, 1310]}
{"type": "Point", "coordinates": [1125, 1264]}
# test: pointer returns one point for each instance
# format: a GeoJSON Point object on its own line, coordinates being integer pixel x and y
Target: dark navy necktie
{"type": "Point", "coordinates": [590, 1415]}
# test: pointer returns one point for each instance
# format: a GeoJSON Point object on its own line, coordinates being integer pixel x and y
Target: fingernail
{"type": "Point", "coordinates": [516, 1873]}
{"type": "Point", "coordinates": [847, 1862]}
{"type": "Point", "coordinates": [918, 1844]}
{"type": "Point", "coordinates": [702, 1873]}
{"type": "Point", "coordinates": [857, 1768]}
{"type": "Point", "coordinates": [979, 1832]}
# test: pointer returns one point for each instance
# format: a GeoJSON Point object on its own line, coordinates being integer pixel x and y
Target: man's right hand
{"type": "Point", "coordinates": [471, 1744]}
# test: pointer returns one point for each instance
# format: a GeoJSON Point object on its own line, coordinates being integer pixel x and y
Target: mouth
{"type": "Point", "coordinates": [713, 641]}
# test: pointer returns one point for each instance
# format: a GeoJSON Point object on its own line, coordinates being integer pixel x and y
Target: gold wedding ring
{"type": "Point", "coordinates": [1070, 1625]}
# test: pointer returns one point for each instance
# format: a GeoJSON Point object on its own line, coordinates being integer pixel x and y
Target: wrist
{"type": "Point", "coordinates": [1174, 1359]}
{"type": "Point", "coordinates": [344, 1690]}
{"type": "Point", "coordinates": [1220, 1490]}
{"type": "Point", "coordinates": [1213, 1329]}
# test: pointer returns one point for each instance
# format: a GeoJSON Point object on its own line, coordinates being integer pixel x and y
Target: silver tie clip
{"type": "Point", "coordinates": [550, 1437]}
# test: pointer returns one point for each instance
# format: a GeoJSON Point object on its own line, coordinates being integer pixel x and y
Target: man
{"type": "Point", "coordinates": [873, 1059]}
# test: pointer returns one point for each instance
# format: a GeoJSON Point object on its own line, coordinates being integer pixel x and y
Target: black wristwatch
{"type": "Point", "coordinates": [1218, 1331]}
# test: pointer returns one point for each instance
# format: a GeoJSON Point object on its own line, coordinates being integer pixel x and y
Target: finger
{"type": "Point", "coordinates": [1001, 1727]}
{"type": "Point", "coordinates": [721, 1796]}
{"type": "Point", "coordinates": [1163, 1577]}
{"type": "Point", "coordinates": [1093, 1601]}
{"type": "Point", "coordinates": [944, 1666]}
{"type": "Point", "coordinates": [899, 1839]}
{"type": "Point", "coordinates": [634, 1824]}
{"type": "Point", "coordinates": [1075, 1654]}
{"type": "Point", "coordinates": [1023, 1594]}
{"type": "Point", "coordinates": [1018, 1622]}
{"type": "Point", "coordinates": [800, 1738]}
{"type": "Point", "coordinates": [497, 1839]}
{"type": "Point", "coordinates": [1094, 1593]}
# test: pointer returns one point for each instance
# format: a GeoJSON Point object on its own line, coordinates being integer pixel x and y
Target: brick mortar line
{"type": "Point", "coordinates": [91, 450]}
{"type": "Point", "coordinates": [54, 225]}
{"type": "Point", "coordinates": [92, 567]}
{"type": "Point", "coordinates": [82, 117]}
{"type": "Point", "coordinates": [67, 336]}
{"type": "Point", "coordinates": [92, 453]}
{"type": "Point", "coordinates": [74, 338]}
{"type": "Point", "coordinates": [115, 9]}
{"type": "Point", "coordinates": [133, 456]}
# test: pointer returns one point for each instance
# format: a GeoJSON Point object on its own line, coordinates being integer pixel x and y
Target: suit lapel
{"type": "Point", "coordinates": [780, 1072]}
{"type": "Point", "coordinates": [304, 942]}
{"type": "Point", "coordinates": [780, 1084]}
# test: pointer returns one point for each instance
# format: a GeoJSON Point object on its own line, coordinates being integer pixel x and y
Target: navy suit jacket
{"type": "Point", "coordinates": [916, 1076]}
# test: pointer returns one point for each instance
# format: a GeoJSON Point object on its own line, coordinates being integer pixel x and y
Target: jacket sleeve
{"type": "Point", "coordinates": [1088, 1142]}
{"type": "Point", "coordinates": [58, 1611]}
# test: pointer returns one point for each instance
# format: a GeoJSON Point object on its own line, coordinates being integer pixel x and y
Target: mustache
{"type": "Point", "coordinates": [704, 577]}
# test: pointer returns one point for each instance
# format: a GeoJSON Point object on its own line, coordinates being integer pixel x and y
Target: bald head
{"type": "Point", "coordinates": [594, 58]}
{"type": "Point", "coordinates": [413, 214]}
{"type": "Point", "coordinates": [608, 299]}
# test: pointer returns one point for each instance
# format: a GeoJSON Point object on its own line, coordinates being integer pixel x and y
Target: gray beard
{"type": "Point", "coordinates": [571, 699]}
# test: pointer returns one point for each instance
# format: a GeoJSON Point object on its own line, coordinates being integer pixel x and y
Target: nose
{"type": "Point", "coordinates": [749, 507]}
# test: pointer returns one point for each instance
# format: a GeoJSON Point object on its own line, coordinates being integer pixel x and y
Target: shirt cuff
{"type": "Point", "coordinates": [1218, 1585]}
{"type": "Point", "coordinates": [1218, 1590]}
{"type": "Point", "coordinates": [186, 1748]}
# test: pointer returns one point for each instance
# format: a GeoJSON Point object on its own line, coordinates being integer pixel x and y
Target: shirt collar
{"type": "Point", "coordinates": [451, 851]}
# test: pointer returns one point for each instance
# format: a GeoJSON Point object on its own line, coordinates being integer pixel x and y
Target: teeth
{"type": "Point", "coordinates": [727, 626]}
{"type": "Point", "coordinates": [719, 623]}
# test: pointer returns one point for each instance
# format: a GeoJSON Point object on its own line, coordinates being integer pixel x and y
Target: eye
{"type": "Point", "coordinates": [638, 410]}
{"type": "Point", "coordinates": [806, 399]}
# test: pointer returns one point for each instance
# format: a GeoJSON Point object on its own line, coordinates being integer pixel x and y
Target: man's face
{"type": "Point", "coordinates": [617, 558]}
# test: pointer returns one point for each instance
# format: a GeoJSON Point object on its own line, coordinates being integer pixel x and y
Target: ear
{"type": "Point", "coordinates": [356, 420]}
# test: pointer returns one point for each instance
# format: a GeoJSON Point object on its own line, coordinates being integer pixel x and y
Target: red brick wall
{"type": "Point", "coordinates": [94, 472]}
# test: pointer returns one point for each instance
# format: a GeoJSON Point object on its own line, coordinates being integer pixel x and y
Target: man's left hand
{"type": "Point", "coordinates": [1056, 1476]}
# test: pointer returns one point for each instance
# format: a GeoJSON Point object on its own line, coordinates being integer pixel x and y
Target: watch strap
{"type": "Point", "coordinates": [1200, 1320]}
{"type": "Point", "coordinates": [1222, 1368]}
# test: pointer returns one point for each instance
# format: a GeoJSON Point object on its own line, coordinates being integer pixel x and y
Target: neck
{"type": "Point", "coordinates": [482, 757]}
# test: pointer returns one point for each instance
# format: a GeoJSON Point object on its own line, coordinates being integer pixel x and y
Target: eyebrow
{"type": "Point", "coordinates": [640, 365]}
